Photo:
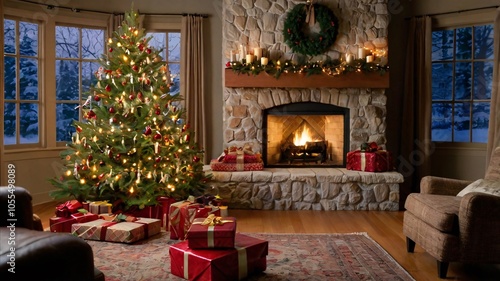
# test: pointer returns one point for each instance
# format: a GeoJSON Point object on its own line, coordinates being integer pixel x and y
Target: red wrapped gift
{"type": "Point", "coordinates": [60, 224]}
{"type": "Point", "coordinates": [377, 161]}
{"type": "Point", "coordinates": [159, 211]}
{"type": "Point", "coordinates": [67, 208]}
{"type": "Point", "coordinates": [248, 256]}
{"type": "Point", "coordinates": [182, 215]}
{"type": "Point", "coordinates": [124, 232]}
{"type": "Point", "coordinates": [215, 165]}
{"type": "Point", "coordinates": [217, 233]}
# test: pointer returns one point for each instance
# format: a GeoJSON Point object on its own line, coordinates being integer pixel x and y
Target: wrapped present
{"type": "Point", "coordinates": [182, 215]}
{"type": "Point", "coordinates": [215, 165]}
{"type": "Point", "coordinates": [63, 224]}
{"type": "Point", "coordinates": [248, 256]}
{"type": "Point", "coordinates": [67, 208]}
{"type": "Point", "coordinates": [212, 232]}
{"type": "Point", "coordinates": [100, 207]}
{"type": "Point", "coordinates": [377, 161]}
{"type": "Point", "coordinates": [238, 159]}
{"type": "Point", "coordinates": [159, 211]}
{"type": "Point", "coordinates": [124, 232]}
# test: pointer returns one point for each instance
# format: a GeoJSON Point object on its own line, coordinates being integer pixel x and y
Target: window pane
{"type": "Point", "coordinates": [174, 46]}
{"type": "Point", "coordinates": [464, 43]}
{"type": "Point", "coordinates": [480, 121]}
{"type": "Point", "coordinates": [67, 42]}
{"type": "Point", "coordinates": [88, 75]}
{"type": "Point", "coordinates": [483, 75]}
{"type": "Point", "coordinates": [92, 43]}
{"type": "Point", "coordinates": [29, 79]}
{"type": "Point", "coordinates": [28, 128]}
{"type": "Point", "coordinates": [9, 35]}
{"type": "Point", "coordinates": [463, 80]}
{"type": "Point", "coordinates": [28, 39]}
{"type": "Point", "coordinates": [9, 123]}
{"type": "Point", "coordinates": [67, 81]}
{"type": "Point", "coordinates": [158, 41]}
{"type": "Point", "coordinates": [442, 81]}
{"type": "Point", "coordinates": [10, 78]}
{"type": "Point", "coordinates": [65, 114]}
{"type": "Point", "coordinates": [462, 122]}
{"type": "Point", "coordinates": [442, 45]}
{"type": "Point", "coordinates": [483, 42]}
{"type": "Point", "coordinates": [175, 74]}
{"type": "Point", "coordinates": [441, 122]}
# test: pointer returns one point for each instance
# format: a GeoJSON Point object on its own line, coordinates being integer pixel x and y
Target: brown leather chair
{"type": "Point", "coordinates": [35, 254]}
{"type": "Point", "coordinates": [451, 228]}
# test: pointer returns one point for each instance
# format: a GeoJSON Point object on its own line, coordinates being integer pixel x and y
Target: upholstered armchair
{"type": "Point", "coordinates": [34, 254]}
{"type": "Point", "coordinates": [455, 228]}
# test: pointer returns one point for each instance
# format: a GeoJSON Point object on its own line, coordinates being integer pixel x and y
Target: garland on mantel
{"type": "Point", "coordinates": [329, 67]}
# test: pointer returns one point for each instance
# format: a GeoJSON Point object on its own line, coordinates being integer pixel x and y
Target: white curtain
{"type": "Point", "coordinates": [193, 77]}
{"type": "Point", "coordinates": [494, 126]}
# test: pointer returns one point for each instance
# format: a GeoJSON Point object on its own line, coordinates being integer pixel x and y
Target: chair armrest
{"type": "Point", "coordinates": [20, 200]}
{"type": "Point", "coordinates": [479, 224]}
{"type": "Point", "coordinates": [442, 186]}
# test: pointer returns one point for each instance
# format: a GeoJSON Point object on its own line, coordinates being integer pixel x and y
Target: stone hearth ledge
{"type": "Point", "coordinates": [308, 189]}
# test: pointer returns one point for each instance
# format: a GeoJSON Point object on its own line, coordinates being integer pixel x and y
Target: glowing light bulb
{"type": "Point", "coordinates": [131, 190]}
{"type": "Point", "coordinates": [68, 173]}
{"type": "Point", "coordinates": [82, 181]}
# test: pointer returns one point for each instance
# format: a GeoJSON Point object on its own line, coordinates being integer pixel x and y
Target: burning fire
{"type": "Point", "coordinates": [300, 138]}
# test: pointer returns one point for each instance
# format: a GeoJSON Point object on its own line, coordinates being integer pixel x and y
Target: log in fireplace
{"type": "Point", "coordinates": [305, 134]}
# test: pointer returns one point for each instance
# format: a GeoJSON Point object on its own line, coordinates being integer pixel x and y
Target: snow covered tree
{"type": "Point", "coordinates": [133, 144]}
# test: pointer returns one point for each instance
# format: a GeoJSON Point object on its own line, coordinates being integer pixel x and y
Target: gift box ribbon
{"type": "Point", "coordinates": [242, 263]}
{"type": "Point", "coordinates": [363, 161]}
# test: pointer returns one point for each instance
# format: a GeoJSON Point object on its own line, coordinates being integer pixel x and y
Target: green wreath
{"type": "Point", "coordinates": [315, 43]}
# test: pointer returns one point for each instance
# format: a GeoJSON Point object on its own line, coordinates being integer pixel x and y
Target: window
{"type": "Point", "coordinates": [170, 45]}
{"type": "Point", "coordinates": [462, 71]}
{"type": "Point", "coordinates": [21, 87]}
{"type": "Point", "coordinates": [77, 52]}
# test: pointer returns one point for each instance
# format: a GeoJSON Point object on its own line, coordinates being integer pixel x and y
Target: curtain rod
{"type": "Point", "coordinates": [457, 12]}
{"type": "Point", "coordinates": [77, 10]}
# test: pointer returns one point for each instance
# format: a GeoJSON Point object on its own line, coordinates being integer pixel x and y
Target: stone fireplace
{"type": "Point", "coordinates": [340, 112]}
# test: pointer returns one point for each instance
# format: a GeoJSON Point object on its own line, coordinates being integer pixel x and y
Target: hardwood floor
{"type": "Point", "coordinates": [383, 227]}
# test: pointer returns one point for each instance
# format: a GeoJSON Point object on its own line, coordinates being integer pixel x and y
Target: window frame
{"type": "Point", "coordinates": [448, 21]}
{"type": "Point", "coordinates": [40, 84]}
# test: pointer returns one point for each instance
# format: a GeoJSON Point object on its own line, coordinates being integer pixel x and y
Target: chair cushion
{"type": "Point", "coordinates": [484, 186]}
{"type": "Point", "coordinates": [439, 211]}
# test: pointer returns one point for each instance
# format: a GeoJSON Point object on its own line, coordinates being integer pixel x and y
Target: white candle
{"type": "Point", "coordinates": [369, 58]}
{"type": "Point", "coordinates": [156, 147]}
{"type": "Point", "coordinates": [233, 56]}
{"type": "Point", "coordinates": [249, 59]}
{"type": "Point", "coordinates": [361, 53]}
{"type": "Point", "coordinates": [257, 52]}
{"type": "Point", "coordinates": [349, 58]}
{"type": "Point", "coordinates": [264, 61]}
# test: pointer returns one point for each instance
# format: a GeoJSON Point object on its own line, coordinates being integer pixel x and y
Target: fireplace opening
{"type": "Point", "coordinates": [305, 134]}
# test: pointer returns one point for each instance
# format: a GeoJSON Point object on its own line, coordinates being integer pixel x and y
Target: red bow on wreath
{"type": "Point", "coordinates": [310, 13]}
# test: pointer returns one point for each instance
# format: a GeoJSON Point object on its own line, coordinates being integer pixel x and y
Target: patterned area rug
{"type": "Point", "coordinates": [296, 257]}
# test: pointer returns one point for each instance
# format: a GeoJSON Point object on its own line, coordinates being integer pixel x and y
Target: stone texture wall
{"type": "Point", "coordinates": [259, 23]}
{"type": "Point", "coordinates": [309, 189]}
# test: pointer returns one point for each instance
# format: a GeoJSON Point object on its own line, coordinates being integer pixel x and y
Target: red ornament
{"type": "Point", "coordinates": [148, 50]}
{"type": "Point", "coordinates": [108, 88]}
{"type": "Point", "coordinates": [131, 96]}
{"type": "Point", "coordinates": [111, 110]}
{"type": "Point", "coordinates": [228, 64]}
{"type": "Point", "coordinates": [185, 127]}
{"type": "Point", "coordinates": [90, 158]}
{"type": "Point", "coordinates": [187, 138]}
{"type": "Point", "coordinates": [158, 159]}
{"type": "Point", "coordinates": [140, 96]}
{"type": "Point", "coordinates": [147, 131]}
{"type": "Point", "coordinates": [110, 50]}
{"type": "Point", "coordinates": [141, 47]}
{"type": "Point", "coordinates": [79, 129]}
{"type": "Point", "coordinates": [114, 120]}
{"type": "Point", "coordinates": [100, 176]}
{"type": "Point", "coordinates": [157, 112]}
{"type": "Point", "coordinates": [157, 136]}
{"type": "Point", "coordinates": [196, 159]}
{"type": "Point", "coordinates": [110, 154]}
{"type": "Point", "coordinates": [85, 168]}
{"type": "Point", "coordinates": [148, 82]}
{"type": "Point", "coordinates": [97, 98]}
{"type": "Point", "coordinates": [91, 114]}
{"type": "Point", "coordinates": [135, 67]}
{"type": "Point", "coordinates": [124, 82]}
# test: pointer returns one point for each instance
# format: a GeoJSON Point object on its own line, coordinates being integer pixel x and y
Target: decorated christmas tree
{"type": "Point", "coordinates": [133, 144]}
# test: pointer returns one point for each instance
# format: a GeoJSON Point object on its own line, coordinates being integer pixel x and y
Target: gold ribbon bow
{"type": "Point", "coordinates": [310, 13]}
{"type": "Point", "coordinates": [212, 220]}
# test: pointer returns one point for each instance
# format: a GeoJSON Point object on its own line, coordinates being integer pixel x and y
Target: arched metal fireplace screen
{"type": "Point", "coordinates": [306, 134]}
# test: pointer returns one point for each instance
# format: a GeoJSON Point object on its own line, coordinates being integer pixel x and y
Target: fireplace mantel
{"type": "Point", "coordinates": [301, 80]}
